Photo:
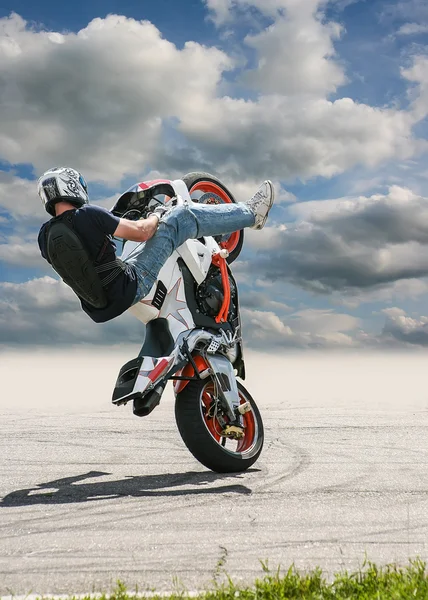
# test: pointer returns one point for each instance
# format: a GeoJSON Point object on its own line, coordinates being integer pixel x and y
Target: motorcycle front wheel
{"type": "Point", "coordinates": [201, 432]}
{"type": "Point", "coordinates": [207, 189]}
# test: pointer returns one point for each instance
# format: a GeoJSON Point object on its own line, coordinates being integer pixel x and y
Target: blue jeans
{"type": "Point", "coordinates": [177, 226]}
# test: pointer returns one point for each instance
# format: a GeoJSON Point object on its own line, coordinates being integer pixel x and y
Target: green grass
{"type": "Point", "coordinates": [369, 583]}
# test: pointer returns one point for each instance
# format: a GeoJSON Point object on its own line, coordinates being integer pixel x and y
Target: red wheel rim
{"type": "Point", "coordinates": [215, 428]}
{"type": "Point", "coordinates": [208, 186]}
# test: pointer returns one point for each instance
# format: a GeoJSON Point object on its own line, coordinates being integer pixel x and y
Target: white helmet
{"type": "Point", "coordinates": [62, 184]}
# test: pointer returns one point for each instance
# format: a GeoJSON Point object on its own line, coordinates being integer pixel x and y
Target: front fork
{"type": "Point", "coordinates": [224, 377]}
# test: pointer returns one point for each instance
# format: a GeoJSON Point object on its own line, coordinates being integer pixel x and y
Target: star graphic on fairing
{"type": "Point", "coordinates": [173, 304]}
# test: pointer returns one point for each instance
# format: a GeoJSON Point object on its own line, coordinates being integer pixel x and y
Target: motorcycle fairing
{"type": "Point", "coordinates": [138, 376]}
{"type": "Point", "coordinates": [138, 196]}
{"type": "Point", "coordinates": [174, 305]}
{"type": "Point", "coordinates": [150, 371]}
{"type": "Point", "coordinates": [197, 255]}
{"type": "Point", "coordinates": [174, 308]}
{"type": "Point", "coordinates": [126, 380]}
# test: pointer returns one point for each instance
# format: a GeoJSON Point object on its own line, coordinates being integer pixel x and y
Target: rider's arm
{"type": "Point", "coordinates": [137, 231]}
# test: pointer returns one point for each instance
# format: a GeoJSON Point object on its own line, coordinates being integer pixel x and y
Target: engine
{"type": "Point", "coordinates": [209, 295]}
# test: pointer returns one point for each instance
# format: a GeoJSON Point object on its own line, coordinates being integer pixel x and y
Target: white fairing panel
{"type": "Point", "coordinates": [145, 375]}
{"type": "Point", "coordinates": [144, 311]}
{"type": "Point", "coordinates": [174, 308]}
{"type": "Point", "coordinates": [197, 257]}
{"type": "Point", "coordinates": [181, 190]}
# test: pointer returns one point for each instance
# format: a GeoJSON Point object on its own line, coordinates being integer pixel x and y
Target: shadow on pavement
{"type": "Point", "coordinates": [65, 490]}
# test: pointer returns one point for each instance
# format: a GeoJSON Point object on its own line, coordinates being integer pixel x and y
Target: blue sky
{"type": "Point", "coordinates": [327, 98]}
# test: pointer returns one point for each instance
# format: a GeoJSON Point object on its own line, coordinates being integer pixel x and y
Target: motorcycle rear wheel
{"type": "Point", "coordinates": [202, 433]}
{"type": "Point", "coordinates": [200, 184]}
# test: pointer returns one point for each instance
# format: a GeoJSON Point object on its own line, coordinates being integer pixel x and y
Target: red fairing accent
{"type": "Point", "coordinates": [158, 369]}
{"type": "Point", "coordinates": [188, 371]}
{"type": "Point", "coordinates": [145, 185]}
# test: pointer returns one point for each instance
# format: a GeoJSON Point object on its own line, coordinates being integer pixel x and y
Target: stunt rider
{"type": "Point", "coordinates": [64, 194]}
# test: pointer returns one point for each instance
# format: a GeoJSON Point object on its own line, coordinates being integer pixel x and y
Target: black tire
{"type": "Point", "coordinates": [191, 179]}
{"type": "Point", "coordinates": [193, 428]}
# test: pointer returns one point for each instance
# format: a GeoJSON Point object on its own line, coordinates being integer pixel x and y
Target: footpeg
{"type": "Point", "coordinates": [233, 432]}
{"type": "Point", "coordinates": [213, 347]}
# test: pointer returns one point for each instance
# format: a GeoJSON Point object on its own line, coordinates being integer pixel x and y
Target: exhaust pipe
{"type": "Point", "coordinates": [143, 405]}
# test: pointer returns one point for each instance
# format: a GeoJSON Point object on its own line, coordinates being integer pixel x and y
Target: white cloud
{"type": "Point", "coordinates": [348, 245]}
{"type": "Point", "coordinates": [302, 329]}
{"type": "Point", "coordinates": [315, 328]}
{"type": "Point", "coordinates": [19, 197]}
{"type": "Point", "coordinates": [295, 54]}
{"type": "Point", "coordinates": [104, 117]}
{"type": "Point", "coordinates": [259, 300]}
{"type": "Point", "coordinates": [287, 138]}
{"type": "Point", "coordinates": [418, 74]}
{"type": "Point", "coordinates": [45, 311]}
{"type": "Point", "coordinates": [22, 255]}
{"type": "Point", "coordinates": [219, 10]}
{"type": "Point", "coordinates": [403, 289]}
{"type": "Point", "coordinates": [394, 312]}
{"type": "Point", "coordinates": [322, 322]}
{"type": "Point", "coordinates": [108, 117]}
{"type": "Point", "coordinates": [413, 29]}
{"type": "Point", "coordinates": [46, 294]}
{"type": "Point", "coordinates": [266, 326]}
{"type": "Point", "coordinates": [282, 195]}
{"type": "Point", "coordinates": [293, 130]}
{"type": "Point", "coordinates": [266, 239]}
{"type": "Point", "coordinates": [403, 329]}
{"type": "Point", "coordinates": [321, 211]}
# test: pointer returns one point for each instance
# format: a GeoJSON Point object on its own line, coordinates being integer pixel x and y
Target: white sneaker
{"type": "Point", "coordinates": [261, 203]}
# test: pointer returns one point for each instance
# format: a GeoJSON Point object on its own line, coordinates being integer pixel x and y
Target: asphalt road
{"type": "Point", "coordinates": [90, 494]}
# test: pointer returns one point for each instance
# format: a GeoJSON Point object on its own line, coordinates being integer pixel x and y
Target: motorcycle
{"type": "Point", "coordinates": [193, 334]}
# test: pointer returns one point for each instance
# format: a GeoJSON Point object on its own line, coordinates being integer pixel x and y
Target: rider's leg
{"type": "Point", "coordinates": [195, 221]}
{"type": "Point", "coordinates": [177, 226]}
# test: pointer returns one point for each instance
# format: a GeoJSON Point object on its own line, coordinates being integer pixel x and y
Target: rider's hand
{"type": "Point", "coordinates": [137, 231]}
{"type": "Point", "coordinates": [151, 225]}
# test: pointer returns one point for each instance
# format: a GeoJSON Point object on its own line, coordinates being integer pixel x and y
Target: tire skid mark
{"type": "Point", "coordinates": [58, 524]}
{"type": "Point", "coordinates": [301, 459]}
